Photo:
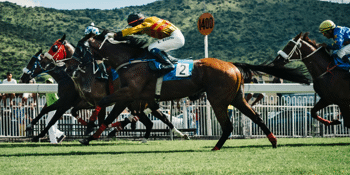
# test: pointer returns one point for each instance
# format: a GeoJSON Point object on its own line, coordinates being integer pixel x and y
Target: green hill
{"type": "Point", "coordinates": [249, 31]}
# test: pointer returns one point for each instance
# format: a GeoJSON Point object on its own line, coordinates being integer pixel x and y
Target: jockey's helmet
{"type": "Point", "coordinates": [135, 19]}
{"type": "Point", "coordinates": [92, 29]}
{"type": "Point", "coordinates": [326, 25]}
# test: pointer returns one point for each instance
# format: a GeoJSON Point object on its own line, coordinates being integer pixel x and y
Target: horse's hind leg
{"type": "Point", "coordinates": [225, 123]}
{"type": "Point", "coordinates": [165, 120]}
{"type": "Point", "coordinates": [241, 104]}
{"type": "Point", "coordinates": [318, 106]}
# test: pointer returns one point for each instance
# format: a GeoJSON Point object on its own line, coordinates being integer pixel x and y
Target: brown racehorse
{"type": "Point", "coordinates": [219, 79]}
{"type": "Point", "coordinates": [69, 95]}
{"type": "Point", "coordinates": [329, 81]}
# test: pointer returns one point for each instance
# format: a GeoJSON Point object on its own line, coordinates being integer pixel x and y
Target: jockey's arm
{"type": "Point", "coordinates": [136, 30]}
{"type": "Point", "coordinates": [338, 43]}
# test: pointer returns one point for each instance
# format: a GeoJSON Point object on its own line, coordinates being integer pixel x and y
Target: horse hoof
{"type": "Point", "coordinates": [274, 146]}
{"type": "Point", "coordinates": [215, 149]}
{"type": "Point", "coordinates": [335, 122]}
{"type": "Point", "coordinates": [35, 139]}
{"type": "Point", "coordinates": [84, 141]}
{"type": "Point", "coordinates": [186, 137]}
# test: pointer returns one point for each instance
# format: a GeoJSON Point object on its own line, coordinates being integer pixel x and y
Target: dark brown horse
{"type": "Point", "coordinates": [219, 79]}
{"type": "Point", "coordinates": [82, 100]}
{"type": "Point", "coordinates": [330, 82]}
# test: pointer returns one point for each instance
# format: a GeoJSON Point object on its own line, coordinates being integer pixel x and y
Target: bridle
{"type": "Point", "coordinates": [31, 72]}
{"type": "Point", "coordinates": [296, 49]}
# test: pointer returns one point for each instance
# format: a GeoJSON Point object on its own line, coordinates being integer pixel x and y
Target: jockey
{"type": "Point", "coordinates": [168, 35]}
{"type": "Point", "coordinates": [341, 37]}
{"type": "Point", "coordinates": [83, 45]}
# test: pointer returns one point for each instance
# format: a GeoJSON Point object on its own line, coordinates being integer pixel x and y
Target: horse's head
{"type": "Point", "coordinates": [297, 49]}
{"type": "Point", "coordinates": [57, 55]}
{"type": "Point", "coordinates": [33, 68]}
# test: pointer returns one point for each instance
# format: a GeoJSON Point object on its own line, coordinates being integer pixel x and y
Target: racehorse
{"type": "Point", "coordinates": [45, 63]}
{"type": "Point", "coordinates": [219, 79]}
{"type": "Point", "coordinates": [329, 81]}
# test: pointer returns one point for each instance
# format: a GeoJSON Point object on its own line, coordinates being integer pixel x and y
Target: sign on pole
{"type": "Point", "coordinates": [205, 23]}
{"type": "Point", "coordinates": [205, 26]}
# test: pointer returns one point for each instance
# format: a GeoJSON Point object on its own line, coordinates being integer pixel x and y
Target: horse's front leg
{"type": "Point", "coordinates": [30, 127]}
{"type": "Point", "coordinates": [318, 106]}
{"type": "Point", "coordinates": [122, 99]}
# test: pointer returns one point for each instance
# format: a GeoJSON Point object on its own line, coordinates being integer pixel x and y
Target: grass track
{"type": "Point", "coordinates": [246, 156]}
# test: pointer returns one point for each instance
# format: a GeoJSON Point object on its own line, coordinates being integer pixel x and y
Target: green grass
{"type": "Point", "coordinates": [248, 156]}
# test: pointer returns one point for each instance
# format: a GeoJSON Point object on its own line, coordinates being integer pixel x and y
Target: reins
{"type": "Point", "coordinates": [297, 48]}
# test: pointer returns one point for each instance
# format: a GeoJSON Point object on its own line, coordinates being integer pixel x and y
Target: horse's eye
{"type": "Point", "coordinates": [54, 48]}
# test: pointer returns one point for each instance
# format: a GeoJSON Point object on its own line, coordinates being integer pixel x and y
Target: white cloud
{"type": "Point", "coordinates": [28, 3]}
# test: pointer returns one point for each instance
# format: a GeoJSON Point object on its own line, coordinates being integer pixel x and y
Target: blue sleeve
{"type": "Point", "coordinates": [338, 41]}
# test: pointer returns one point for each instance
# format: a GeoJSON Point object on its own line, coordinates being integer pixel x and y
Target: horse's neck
{"type": "Point", "coordinates": [317, 64]}
{"type": "Point", "coordinates": [58, 74]}
{"type": "Point", "coordinates": [69, 50]}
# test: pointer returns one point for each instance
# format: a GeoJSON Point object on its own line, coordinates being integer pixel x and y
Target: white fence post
{"type": "Point", "coordinates": [209, 130]}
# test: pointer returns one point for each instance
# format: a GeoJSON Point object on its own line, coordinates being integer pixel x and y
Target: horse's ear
{"type": "Point", "coordinates": [306, 36]}
{"type": "Point", "coordinates": [299, 35]}
{"type": "Point", "coordinates": [38, 53]}
{"type": "Point", "coordinates": [63, 38]}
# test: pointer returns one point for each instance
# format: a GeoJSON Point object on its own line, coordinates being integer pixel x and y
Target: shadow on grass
{"type": "Point", "coordinates": [140, 152]}
{"type": "Point", "coordinates": [77, 144]}
{"type": "Point", "coordinates": [72, 153]}
{"type": "Point", "coordinates": [287, 145]}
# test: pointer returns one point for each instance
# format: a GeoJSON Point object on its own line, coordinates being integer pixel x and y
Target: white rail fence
{"type": "Point", "coordinates": [285, 109]}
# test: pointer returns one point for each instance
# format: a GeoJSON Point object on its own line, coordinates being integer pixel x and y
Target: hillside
{"type": "Point", "coordinates": [245, 31]}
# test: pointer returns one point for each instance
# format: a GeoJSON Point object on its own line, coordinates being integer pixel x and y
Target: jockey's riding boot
{"type": "Point", "coordinates": [346, 58]}
{"type": "Point", "coordinates": [163, 58]}
{"type": "Point", "coordinates": [103, 75]}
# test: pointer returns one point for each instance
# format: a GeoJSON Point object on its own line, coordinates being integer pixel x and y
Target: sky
{"type": "Point", "coordinates": [81, 4]}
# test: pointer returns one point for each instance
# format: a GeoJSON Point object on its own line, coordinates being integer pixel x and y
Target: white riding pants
{"type": "Point", "coordinates": [174, 41]}
{"type": "Point", "coordinates": [54, 133]}
{"type": "Point", "coordinates": [343, 51]}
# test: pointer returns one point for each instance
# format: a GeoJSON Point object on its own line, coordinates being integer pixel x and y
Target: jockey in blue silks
{"type": "Point", "coordinates": [341, 46]}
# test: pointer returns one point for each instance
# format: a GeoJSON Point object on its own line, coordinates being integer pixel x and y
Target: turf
{"type": "Point", "coordinates": [238, 156]}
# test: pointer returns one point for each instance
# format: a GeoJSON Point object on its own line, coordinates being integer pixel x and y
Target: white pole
{"type": "Point", "coordinates": [206, 46]}
{"type": "Point", "coordinates": [209, 129]}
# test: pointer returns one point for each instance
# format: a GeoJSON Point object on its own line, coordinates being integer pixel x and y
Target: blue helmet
{"type": "Point", "coordinates": [92, 29]}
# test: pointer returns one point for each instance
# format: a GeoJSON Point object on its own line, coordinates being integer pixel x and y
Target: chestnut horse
{"type": "Point", "coordinates": [219, 79]}
{"type": "Point", "coordinates": [329, 81]}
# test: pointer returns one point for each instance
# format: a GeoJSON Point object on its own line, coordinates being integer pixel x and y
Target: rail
{"type": "Point", "coordinates": [286, 114]}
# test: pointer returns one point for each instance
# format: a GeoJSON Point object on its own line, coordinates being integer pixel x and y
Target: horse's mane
{"type": "Point", "coordinates": [132, 41]}
{"type": "Point", "coordinates": [308, 40]}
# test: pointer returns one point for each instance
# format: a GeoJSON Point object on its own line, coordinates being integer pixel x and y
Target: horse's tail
{"type": "Point", "coordinates": [292, 74]}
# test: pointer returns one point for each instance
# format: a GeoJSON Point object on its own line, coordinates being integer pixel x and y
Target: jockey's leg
{"type": "Point", "coordinates": [159, 48]}
{"type": "Point", "coordinates": [343, 53]}
{"type": "Point", "coordinates": [163, 58]}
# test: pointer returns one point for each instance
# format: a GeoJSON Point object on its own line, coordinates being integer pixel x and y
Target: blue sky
{"type": "Point", "coordinates": [81, 4]}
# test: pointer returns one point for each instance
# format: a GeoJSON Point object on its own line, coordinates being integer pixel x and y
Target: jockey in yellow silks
{"type": "Point", "coordinates": [168, 35]}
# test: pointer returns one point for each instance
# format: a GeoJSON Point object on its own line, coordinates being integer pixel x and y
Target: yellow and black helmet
{"type": "Point", "coordinates": [326, 25]}
{"type": "Point", "coordinates": [135, 19]}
